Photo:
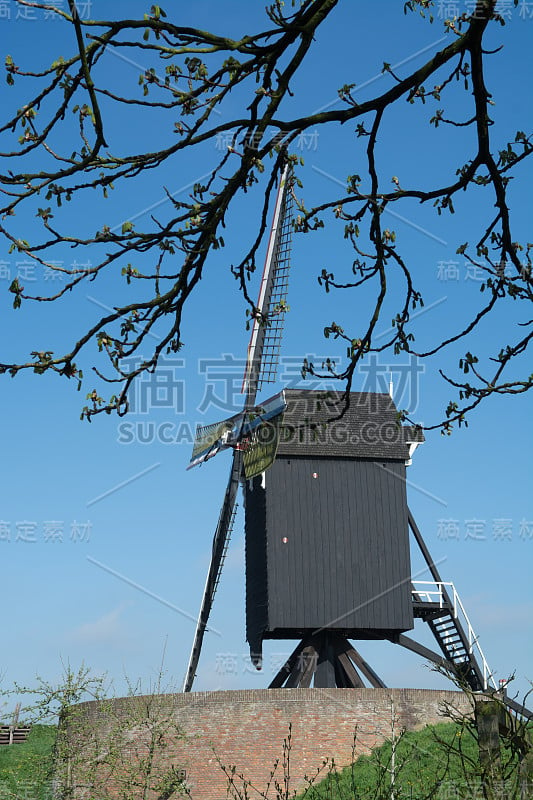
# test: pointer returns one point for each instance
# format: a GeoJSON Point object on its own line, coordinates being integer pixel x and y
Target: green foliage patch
{"type": "Point", "coordinates": [26, 768]}
{"type": "Point", "coordinates": [426, 764]}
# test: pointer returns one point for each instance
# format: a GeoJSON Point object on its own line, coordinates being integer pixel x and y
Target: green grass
{"type": "Point", "coordinates": [25, 769]}
{"type": "Point", "coordinates": [422, 768]}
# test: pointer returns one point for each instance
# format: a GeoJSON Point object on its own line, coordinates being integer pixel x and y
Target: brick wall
{"type": "Point", "coordinates": [246, 728]}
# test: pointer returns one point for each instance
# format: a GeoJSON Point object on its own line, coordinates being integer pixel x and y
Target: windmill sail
{"type": "Point", "coordinates": [236, 431]}
{"type": "Point", "coordinates": [265, 340]}
{"type": "Point", "coordinates": [244, 432]}
{"type": "Point", "coordinates": [260, 454]}
{"type": "Point", "coordinates": [210, 439]}
{"type": "Point", "coordinates": [220, 539]}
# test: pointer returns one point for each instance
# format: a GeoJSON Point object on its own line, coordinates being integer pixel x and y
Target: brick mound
{"type": "Point", "coordinates": [246, 728]}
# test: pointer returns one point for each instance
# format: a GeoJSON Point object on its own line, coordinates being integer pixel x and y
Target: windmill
{"type": "Point", "coordinates": [327, 525]}
{"type": "Point", "coordinates": [263, 354]}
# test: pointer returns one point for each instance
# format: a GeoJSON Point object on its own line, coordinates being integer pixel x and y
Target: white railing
{"type": "Point", "coordinates": [438, 592]}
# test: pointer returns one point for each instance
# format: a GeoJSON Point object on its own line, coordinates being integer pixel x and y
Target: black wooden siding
{"type": "Point", "coordinates": [256, 564]}
{"type": "Point", "coordinates": [345, 565]}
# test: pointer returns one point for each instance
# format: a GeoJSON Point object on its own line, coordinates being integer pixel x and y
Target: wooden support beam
{"type": "Point", "coordinates": [329, 660]}
{"type": "Point", "coordinates": [425, 652]}
{"type": "Point", "coordinates": [371, 676]}
{"type": "Point", "coordinates": [325, 668]}
{"type": "Point", "coordinates": [280, 678]}
{"type": "Point", "coordinates": [355, 679]}
{"type": "Point", "coordinates": [308, 665]}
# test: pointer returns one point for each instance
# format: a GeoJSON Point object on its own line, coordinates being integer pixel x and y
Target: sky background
{"type": "Point", "coordinates": [105, 537]}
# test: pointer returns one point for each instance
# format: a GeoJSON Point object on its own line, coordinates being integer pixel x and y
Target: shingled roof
{"type": "Point", "coordinates": [319, 424]}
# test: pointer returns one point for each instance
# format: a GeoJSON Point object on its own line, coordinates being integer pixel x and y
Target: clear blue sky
{"type": "Point", "coordinates": [109, 536]}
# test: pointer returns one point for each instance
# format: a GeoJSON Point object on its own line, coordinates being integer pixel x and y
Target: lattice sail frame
{"type": "Point", "coordinates": [267, 329]}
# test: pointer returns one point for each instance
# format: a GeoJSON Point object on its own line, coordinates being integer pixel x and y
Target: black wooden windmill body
{"type": "Point", "coordinates": [326, 518]}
